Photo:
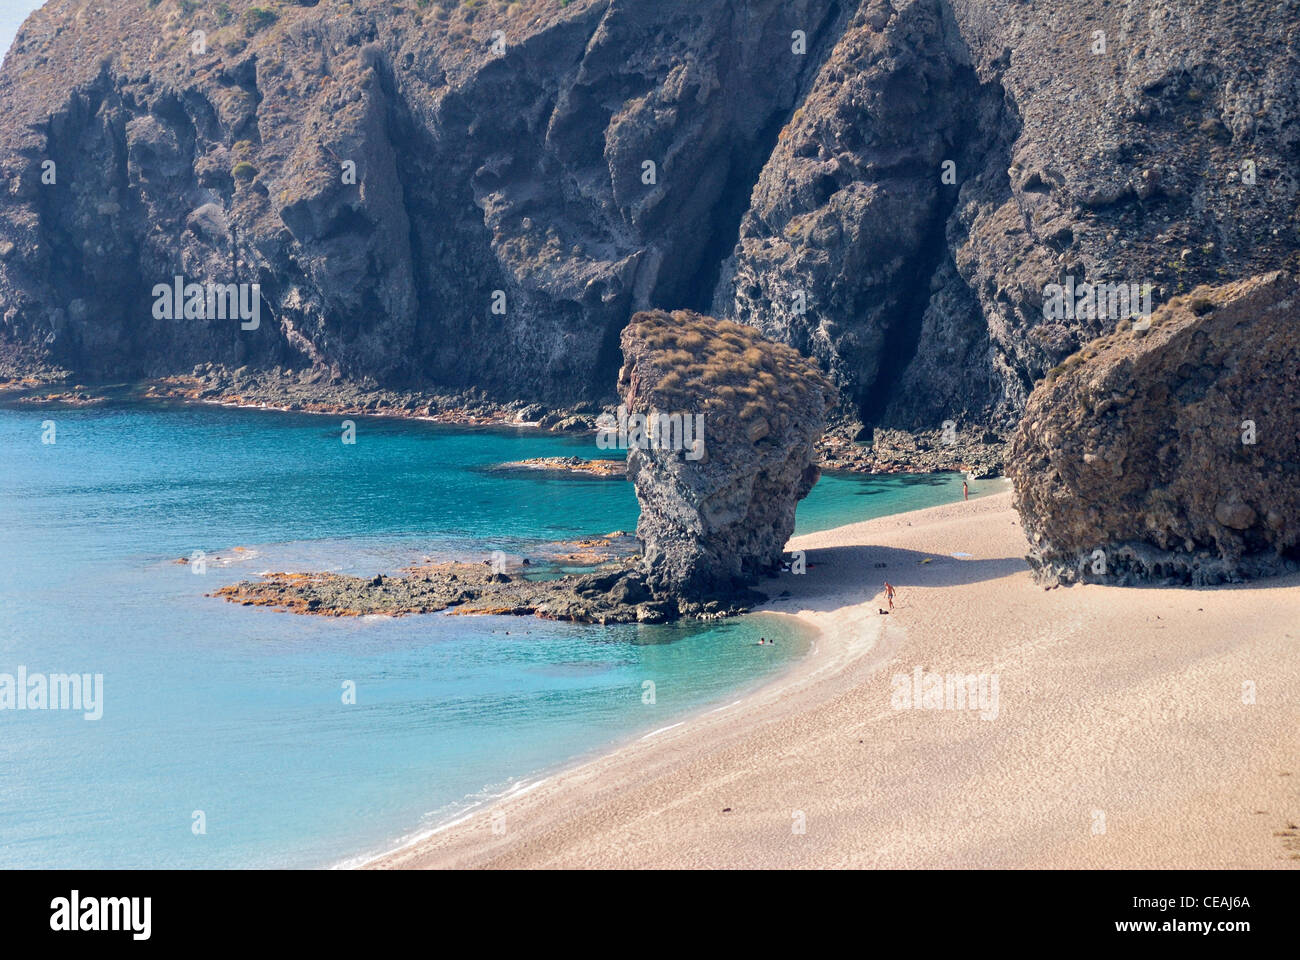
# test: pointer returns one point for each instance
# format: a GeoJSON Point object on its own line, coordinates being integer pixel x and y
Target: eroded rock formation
{"type": "Point", "coordinates": [1171, 454]}
{"type": "Point", "coordinates": [720, 428]}
{"type": "Point", "coordinates": [717, 499]}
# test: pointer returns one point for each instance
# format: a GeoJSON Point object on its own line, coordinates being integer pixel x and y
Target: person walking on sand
{"type": "Point", "coordinates": [889, 594]}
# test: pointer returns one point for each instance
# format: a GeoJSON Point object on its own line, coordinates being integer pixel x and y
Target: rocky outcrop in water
{"type": "Point", "coordinates": [886, 186]}
{"type": "Point", "coordinates": [726, 452]}
{"type": "Point", "coordinates": [720, 428]}
{"type": "Point", "coordinates": [612, 591]}
{"type": "Point", "coordinates": [1171, 453]}
{"type": "Point", "coordinates": [467, 589]}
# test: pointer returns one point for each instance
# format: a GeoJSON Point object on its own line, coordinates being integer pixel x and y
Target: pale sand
{"type": "Point", "coordinates": [1116, 702]}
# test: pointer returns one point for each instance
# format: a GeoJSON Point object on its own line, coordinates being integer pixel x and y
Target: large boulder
{"type": "Point", "coordinates": [1171, 453]}
{"type": "Point", "coordinates": [717, 508]}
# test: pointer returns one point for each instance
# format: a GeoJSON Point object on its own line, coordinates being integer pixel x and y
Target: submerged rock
{"type": "Point", "coordinates": [1174, 455]}
{"type": "Point", "coordinates": [731, 424]}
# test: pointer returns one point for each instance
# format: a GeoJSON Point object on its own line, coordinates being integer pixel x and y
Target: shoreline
{"type": "Point", "coordinates": [891, 451]}
{"type": "Point", "coordinates": [1111, 746]}
{"type": "Point", "coordinates": [519, 786]}
{"type": "Point", "coordinates": [834, 647]}
{"type": "Point", "coordinates": [823, 654]}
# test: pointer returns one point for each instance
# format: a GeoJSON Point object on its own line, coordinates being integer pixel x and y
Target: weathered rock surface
{"type": "Point", "coordinates": [576, 466]}
{"type": "Point", "coordinates": [1171, 453]}
{"type": "Point", "coordinates": [923, 296]}
{"type": "Point", "coordinates": [718, 506]}
{"type": "Point", "coordinates": [979, 455]}
{"type": "Point", "coordinates": [476, 171]}
{"type": "Point", "coordinates": [614, 596]}
{"type": "Point", "coordinates": [843, 251]}
{"type": "Point", "coordinates": [1167, 157]}
{"type": "Point", "coordinates": [615, 591]}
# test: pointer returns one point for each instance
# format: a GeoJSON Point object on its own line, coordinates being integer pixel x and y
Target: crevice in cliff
{"type": "Point", "coordinates": [981, 148]}
{"type": "Point", "coordinates": [743, 170]}
{"type": "Point", "coordinates": [105, 282]}
{"type": "Point", "coordinates": [410, 144]}
{"type": "Point", "coordinates": [903, 325]}
{"type": "Point", "coordinates": [694, 284]}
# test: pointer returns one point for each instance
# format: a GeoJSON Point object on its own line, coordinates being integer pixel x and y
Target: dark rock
{"type": "Point", "coordinates": [777, 173]}
{"type": "Point", "coordinates": [717, 507]}
{"type": "Point", "coordinates": [924, 298]}
{"type": "Point", "coordinates": [574, 425]}
{"type": "Point", "coordinates": [474, 172]}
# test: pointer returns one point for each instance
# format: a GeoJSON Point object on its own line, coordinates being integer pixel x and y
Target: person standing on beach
{"type": "Point", "coordinates": [889, 594]}
{"type": "Point", "coordinates": [965, 491]}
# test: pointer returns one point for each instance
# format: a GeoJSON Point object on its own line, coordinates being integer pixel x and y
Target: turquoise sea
{"type": "Point", "coordinates": [234, 719]}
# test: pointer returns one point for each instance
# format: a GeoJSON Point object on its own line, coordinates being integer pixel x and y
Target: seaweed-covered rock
{"type": "Point", "coordinates": [1171, 453]}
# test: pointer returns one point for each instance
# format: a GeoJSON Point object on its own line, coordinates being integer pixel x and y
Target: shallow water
{"type": "Point", "coordinates": [240, 713]}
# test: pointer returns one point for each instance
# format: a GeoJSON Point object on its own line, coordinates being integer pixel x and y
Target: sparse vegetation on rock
{"type": "Point", "coordinates": [716, 518]}
{"type": "Point", "coordinates": [1171, 456]}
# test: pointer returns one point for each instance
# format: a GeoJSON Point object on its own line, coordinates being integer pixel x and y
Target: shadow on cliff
{"type": "Point", "coordinates": [861, 571]}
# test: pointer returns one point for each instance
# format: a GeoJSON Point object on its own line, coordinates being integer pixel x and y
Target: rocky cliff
{"type": "Point", "coordinates": [1171, 452]}
{"type": "Point", "coordinates": [458, 195]}
{"type": "Point", "coordinates": [720, 426]}
{"type": "Point", "coordinates": [886, 186]}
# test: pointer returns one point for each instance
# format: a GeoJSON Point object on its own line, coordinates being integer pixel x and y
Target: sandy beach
{"type": "Point", "coordinates": [1132, 727]}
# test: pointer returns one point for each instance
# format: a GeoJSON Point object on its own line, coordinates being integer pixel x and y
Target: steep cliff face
{"type": "Point", "coordinates": [595, 161]}
{"type": "Point", "coordinates": [843, 252]}
{"type": "Point", "coordinates": [1151, 143]}
{"type": "Point", "coordinates": [886, 186]}
{"type": "Point", "coordinates": [718, 481]}
{"type": "Point", "coordinates": [1171, 453]}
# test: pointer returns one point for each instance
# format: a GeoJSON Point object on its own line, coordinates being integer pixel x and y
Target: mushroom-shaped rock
{"type": "Point", "coordinates": [720, 425]}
